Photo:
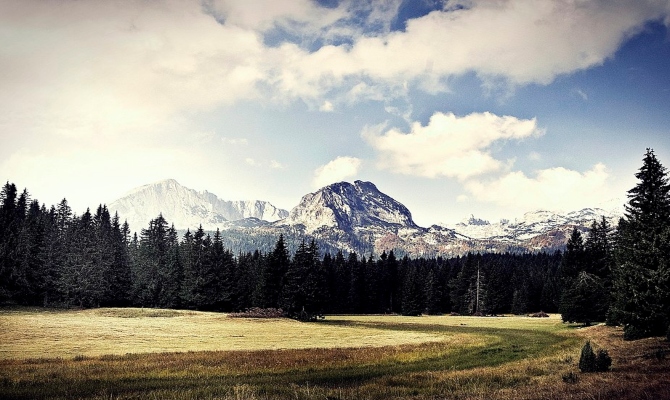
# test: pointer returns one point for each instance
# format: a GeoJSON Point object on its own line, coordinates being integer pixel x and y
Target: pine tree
{"type": "Point", "coordinates": [586, 276]}
{"type": "Point", "coordinates": [641, 285]}
{"type": "Point", "coordinates": [149, 267]}
{"type": "Point", "coordinates": [271, 279]}
{"type": "Point", "coordinates": [81, 281]}
{"type": "Point", "coordinates": [10, 225]}
{"type": "Point", "coordinates": [413, 291]}
{"type": "Point", "coordinates": [119, 274]}
{"type": "Point", "coordinates": [303, 291]}
{"type": "Point", "coordinates": [433, 293]}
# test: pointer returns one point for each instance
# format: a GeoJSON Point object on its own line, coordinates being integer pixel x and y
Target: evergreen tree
{"type": "Point", "coordinates": [10, 225]}
{"type": "Point", "coordinates": [271, 279]}
{"type": "Point", "coordinates": [200, 279]}
{"type": "Point", "coordinates": [222, 275]}
{"type": "Point", "coordinates": [357, 284]}
{"type": "Point", "coordinates": [149, 269]}
{"type": "Point", "coordinates": [172, 274]}
{"type": "Point", "coordinates": [433, 293]}
{"type": "Point", "coordinates": [81, 281]}
{"type": "Point", "coordinates": [413, 291]}
{"type": "Point", "coordinates": [119, 274]}
{"type": "Point", "coordinates": [586, 276]}
{"type": "Point", "coordinates": [641, 285]}
{"type": "Point", "coordinates": [302, 294]}
{"type": "Point", "coordinates": [468, 292]}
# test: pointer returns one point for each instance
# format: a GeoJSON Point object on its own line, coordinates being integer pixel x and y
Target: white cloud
{"type": "Point", "coordinates": [523, 42]}
{"type": "Point", "coordinates": [274, 164]}
{"type": "Point", "coordinates": [335, 171]}
{"type": "Point", "coordinates": [327, 106]}
{"type": "Point", "coordinates": [115, 66]}
{"type": "Point", "coordinates": [553, 189]}
{"type": "Point", "coordinates": [451, 146]}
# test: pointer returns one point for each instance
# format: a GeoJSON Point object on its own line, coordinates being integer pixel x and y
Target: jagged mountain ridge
{"type": "Point", "coordinates": [187, 208]}
{"type": "Point", "coordinates": [355, 218]}
{"type": "Point", "coordinates": [532, 224]}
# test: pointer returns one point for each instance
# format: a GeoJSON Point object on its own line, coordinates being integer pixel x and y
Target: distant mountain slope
{"type": "Point", "coordinates": [187, 208]}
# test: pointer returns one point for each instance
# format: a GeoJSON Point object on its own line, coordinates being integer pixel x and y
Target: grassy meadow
{"type": "Point", "coordinates": [168, 354]}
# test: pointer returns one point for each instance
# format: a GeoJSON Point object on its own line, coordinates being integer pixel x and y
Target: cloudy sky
{"type": "Point", "coordinates": [484, 107]}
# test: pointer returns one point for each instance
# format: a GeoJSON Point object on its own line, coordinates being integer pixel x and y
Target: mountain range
{"type": "Point", "coordinates": [353, 217]}
{"type": "Point", "coordinates": [188, 208]}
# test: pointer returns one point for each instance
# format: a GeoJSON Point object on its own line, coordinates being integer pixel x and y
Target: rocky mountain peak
{"type": "Point", "coordinates": [349, 206]}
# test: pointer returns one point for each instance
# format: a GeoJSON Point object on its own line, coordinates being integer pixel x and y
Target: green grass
{"type": "Point", "coordinates": [377, 357]}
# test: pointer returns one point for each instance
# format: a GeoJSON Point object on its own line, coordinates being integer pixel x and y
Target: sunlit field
{"type": "Point", "coordinates": [67, 334]}
{"type": "Point", "coordinates": [146, 353]}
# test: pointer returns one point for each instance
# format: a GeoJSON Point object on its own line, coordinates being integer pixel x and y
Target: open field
{"type": "Point", "coordinates": [134, 353]}
{"type": "Point", "coordinates": [67, 334]}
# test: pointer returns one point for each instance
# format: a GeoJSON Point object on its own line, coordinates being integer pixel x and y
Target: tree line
{"type": "Point", "coordinates": [52, 257]}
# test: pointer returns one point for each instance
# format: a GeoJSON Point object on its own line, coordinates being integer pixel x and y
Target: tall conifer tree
{"type": "Point", "coordinates": [642, 274]}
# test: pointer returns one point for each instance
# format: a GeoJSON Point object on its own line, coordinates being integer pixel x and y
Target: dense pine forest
{"type": "Point", "coordinates": [52, 257]}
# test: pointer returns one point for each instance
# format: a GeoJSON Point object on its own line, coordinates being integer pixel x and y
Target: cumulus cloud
{"type": "Point", "coordinates": [523, 42]}
{"type": "Point", "coordinates": [449, 145]}
{"type": "Point", "coordinates": [125, 66]}
{"type": "Point", "coordinates": [554, 189]}
{"type": "Point", "coordinates": [335, 171]}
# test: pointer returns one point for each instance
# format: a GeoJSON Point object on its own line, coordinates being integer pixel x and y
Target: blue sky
{"type": "Point", "coordinates": [484, 107]}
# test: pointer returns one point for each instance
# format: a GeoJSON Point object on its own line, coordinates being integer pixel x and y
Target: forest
{"type": "Point", "coordinates": [51, 257]}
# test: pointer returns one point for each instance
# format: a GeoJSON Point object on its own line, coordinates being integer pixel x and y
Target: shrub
{"type": "Point", "coordinates": [603, 361]}
{"type": "Point", "coordinates": [570, 377]}
{"type": "Point", "coordinates": [589, 362]}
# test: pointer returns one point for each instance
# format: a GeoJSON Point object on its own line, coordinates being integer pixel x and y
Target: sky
{"type": "Point", "coordinates": [489, 108]}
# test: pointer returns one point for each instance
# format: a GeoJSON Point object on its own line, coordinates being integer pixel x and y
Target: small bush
{"type": "Point", "coordinates": [603, 361]}
{"type": "Point", "coordinates": [590, 362]}
{"type": "Point", "coordinates": [257, 312]}
{"type": "Point", "coordinates": [587, 360]}
{"type": "Point", "coordinates": [570, 377]}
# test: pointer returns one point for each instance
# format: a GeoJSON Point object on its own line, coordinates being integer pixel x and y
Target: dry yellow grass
{"type": "Point", "coordinates": [50, 334]}
{"type": "Point", "coordinates": [344, 357]}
